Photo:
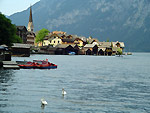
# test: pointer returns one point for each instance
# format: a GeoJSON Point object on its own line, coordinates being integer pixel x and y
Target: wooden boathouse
{"type": "Point", "coordinates": [22, 50]}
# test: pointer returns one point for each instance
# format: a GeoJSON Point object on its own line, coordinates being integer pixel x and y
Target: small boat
{"type": "Point", "coordinates": [27, 65]}
{"type": "Point", "coordinates": [129, 53]}
{"type": "Point", "coordinates": [21, 62]}
{"type": "Point", "coordinates": [71, 53]}
{"type": "Point", "coordinates": [42, 64]}
{"type": "Point", "coordinates": [38, 64]}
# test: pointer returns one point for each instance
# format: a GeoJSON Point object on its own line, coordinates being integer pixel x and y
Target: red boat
{"type": "Point", "coordinates": [28, 65]}
{"type": "Point", "coordinates": [44, 64]}
{"type": "Point", "coordinates": [40, 64]}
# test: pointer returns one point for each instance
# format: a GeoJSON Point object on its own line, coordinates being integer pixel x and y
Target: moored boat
{"type": "Point", "coordinates": [28, 65]}
{"type": "Point", "coordinates": [38, 64]}
{"type": "Point", "coordinates": [71, 53]}
{"type": "Point", "coordinates": [45, 65]}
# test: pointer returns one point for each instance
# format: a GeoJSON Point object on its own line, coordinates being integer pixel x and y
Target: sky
{"type": "Point", "coordinates": [9, 7]}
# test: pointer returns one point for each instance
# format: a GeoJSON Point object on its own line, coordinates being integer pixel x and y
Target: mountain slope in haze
{"type": "Point", "coordinates": [118, 20]}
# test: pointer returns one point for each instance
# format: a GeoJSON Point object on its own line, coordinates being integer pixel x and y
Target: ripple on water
{"type": "Point", "coordinates": [93, 84]}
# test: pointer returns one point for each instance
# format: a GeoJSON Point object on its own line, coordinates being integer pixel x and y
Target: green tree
{"type": "Point", "coordinates": [41, 35]}
{"type": "Point", "coordinates": [111, 44]}
{"type": "Point", "coordinates": [119, 51]}
{"type": "Point", "coordinates": [17, 39]}
{"type": "Point", "coordinates": [7, 31]}
{"type": "Point", "coordinates": [90, 37]}
{"type": "Point", "coordinates": [107, 40]}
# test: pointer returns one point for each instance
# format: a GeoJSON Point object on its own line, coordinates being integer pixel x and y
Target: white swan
{"type": "Point", "coordinates": [63, 92]}
{"type": "Point", "coordinates": [43, 102]}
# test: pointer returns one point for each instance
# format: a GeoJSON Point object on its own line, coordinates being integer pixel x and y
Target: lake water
{"type": "Point", "coordinates": [94, 84]}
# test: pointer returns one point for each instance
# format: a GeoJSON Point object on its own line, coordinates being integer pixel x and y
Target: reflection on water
{"type": "Point", "coordinates": [93, 84]}
{"type": "Point", "coordinates": [6, 80]}
{"type": "Point", "coordinates": [5, 76]}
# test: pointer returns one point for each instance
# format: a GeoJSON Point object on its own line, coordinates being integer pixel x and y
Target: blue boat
{"type": "Point", "coordinates": [71, 53]}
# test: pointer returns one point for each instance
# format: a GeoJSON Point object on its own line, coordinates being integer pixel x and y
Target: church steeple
{"type": "Point", "coordinates": [30, 24]}
{"type": "Point", "coordinates": [30, 17]}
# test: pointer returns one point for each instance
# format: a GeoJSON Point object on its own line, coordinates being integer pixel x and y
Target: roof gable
{"type": "Point", "coordinates": [64, 45]}
{"type": "Point", "coordinates": [21, 28]}
{"type": "Point", "coordinates": [89, 45]}
{"type": "Point", "coordinates": [104, 44]}
{"type": "Point", "coordinates": [121, 44]}
{"type": "Point", "coordinates": [51, 37]}
{"type": "Point", "coordinates": [68, 40]}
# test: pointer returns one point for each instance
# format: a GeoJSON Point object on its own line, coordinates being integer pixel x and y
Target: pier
{"type": "Point", "coordinates": [10, 65]}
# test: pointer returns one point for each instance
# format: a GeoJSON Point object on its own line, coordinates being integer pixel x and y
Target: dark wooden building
{"type": "Point", "coordinates": [91, 49]}
{"type": "Point", "coordinates": [101, 51]}
{"type": "Point", "coordinates": [5, 54]}
{"type": "Point", "coordinates": [22, 50]}
{"type": "Point", "coordinates": [64, 49]}
{"type": "Point", "coordinates": [30, 38]}
{"type": "Point", "coordinates": [95, 50]}
{"type": "Point", "coordinates": [89, 52]}
{"type": "Point", "coordinates": [22, 32]}
{"type": "Point", "coordinates": [105, 48]}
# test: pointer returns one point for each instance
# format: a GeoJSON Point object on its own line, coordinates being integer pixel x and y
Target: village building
{"type": "Point", "coordinates": [91, 49]}
{"type": "Point", "coordinates": [65, 49]}
{"type": "Point", "coordinates": [52, 40]}
{"type": "Point", "coordinates": [116, 46]}
{"type": "Point", "coordinates": [115, 50]}
{"type": "Point", "coordinates": [67, 39]}
{"type": "Point", "coordinates": [119, 45]}
{"type": "Point", "coordinates": [79, 42]}
{"type": "Point", "coordinates": [22, 33]}
{"type": "Point", "coordinates": [83, 38]}
{"type": "Point", "coordinates": [110, 48]}
{"type": "Point", "coordinates": [19, 49]}
{"type": "Point", "coordinates": [31, 38]}
{"type": "Point", "coordinates": [91, 40]}
{"type": "Point", "coordinates": [105, 48]}
{"type": "Point", "coordinates": [47, 50]}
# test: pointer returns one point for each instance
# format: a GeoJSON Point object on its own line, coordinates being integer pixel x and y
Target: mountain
{"type": "Point", "coordinates": [116, 20]}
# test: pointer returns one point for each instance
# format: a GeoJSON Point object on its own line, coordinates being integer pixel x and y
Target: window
{"type": "Point", "coordinates": [54, 41]}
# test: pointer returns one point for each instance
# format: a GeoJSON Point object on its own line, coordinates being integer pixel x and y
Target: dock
{"type": "Point", "coordinates": [10, 65]}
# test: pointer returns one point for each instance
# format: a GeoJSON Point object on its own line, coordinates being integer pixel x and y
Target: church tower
{"type": "Point", "coordinates": [30, 24]}
{"type": "Point", "coordinates": [30, 33]}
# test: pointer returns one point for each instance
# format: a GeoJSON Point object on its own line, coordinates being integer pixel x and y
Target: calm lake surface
{"type": "Point", "coordinates": [94, 84]}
